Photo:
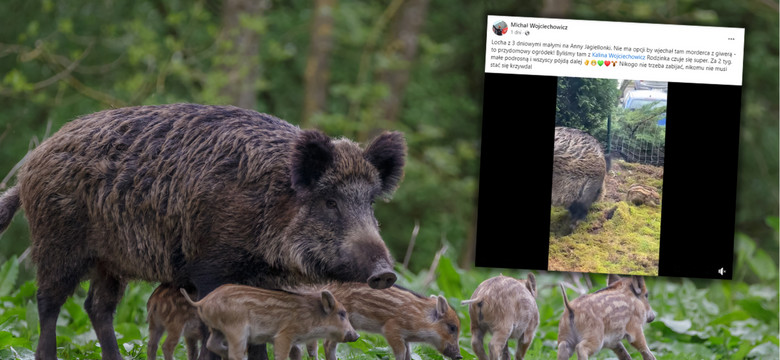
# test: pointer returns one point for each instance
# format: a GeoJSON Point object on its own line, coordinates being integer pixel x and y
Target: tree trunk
{"type": "Point", "coordinates": [402, 50]}
{"type": "Point", "coordinates": [469, 252]}
{"type": "Point", "coordinates": [317, 72]}
{"type": "Point", "coordinates": [239, 57]}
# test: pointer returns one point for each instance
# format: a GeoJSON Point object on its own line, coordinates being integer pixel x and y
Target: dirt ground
{"type": "Point", "coordinates": [622, 175]}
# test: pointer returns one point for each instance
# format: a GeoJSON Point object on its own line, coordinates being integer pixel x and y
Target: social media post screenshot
{"type": "Point", "coordinates": [600, 137]}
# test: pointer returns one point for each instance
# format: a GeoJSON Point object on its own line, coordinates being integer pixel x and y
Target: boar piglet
{"type": "Point", "coordinates": [168, 311]}
{"type": "Point", "coordinates": [401, 316]}
{"type": "Point", "coordinates": [604, 318]}
{"type": "Point", "coordinates": [505, 307]}
{"type": "Point", "coordinates": [247, 315]}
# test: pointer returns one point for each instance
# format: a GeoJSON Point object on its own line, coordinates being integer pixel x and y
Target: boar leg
{"type": "Point", "coordinates": [478, 341]}
{"type": "Point", "coordinates": [204, 335]}
{"type": "Point", "coordinates": [498, 343]}
{"type": "Point", "coordinates": [641, 345]}
{"type": "Point", "coordinates": [621, 351]}
{"type": "Point", "coordinates": [330, 349]}
{"type": "Point", "coordinates": [237, 344]}
{"type": "Point", "coordinates": [295, 352]}
{"type": "Point", "coordinates": [393, 335]}
{"type": "Point", "coordinates": [311, 349]}
{"type": "Point", "coordinates": [192, 348]}
{"type": "Point", "coordinates": [523, 343]}
{"type": "Point", "coordinates": [104, 294]}
{"type": "Point", "coordinates": [217, 344]}
{"type": "Point", "coordinates": [257, 352]}
{"type": "Point", "coordinates": [283, 348]}
{"type": "Point", "coordinates": [155, 333]}
{"type": "Point", "coordinates": [564, 350]}
{"type": "Point", "coordinates": [56, 281]}
{"type": "Point", "coordinates": [587, 347]}
{"type": "Point", "coordinates": [48, 310]}
{"type": "Point", "coordinates": [169, 346]}
{"type": "Point", "coordinates": [637, 339]}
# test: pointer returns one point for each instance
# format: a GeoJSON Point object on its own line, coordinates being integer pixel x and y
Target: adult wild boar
{"type": "Point", "coordinates": [198, 195]}
{"type": "Point", "coordinates": [579, 168]}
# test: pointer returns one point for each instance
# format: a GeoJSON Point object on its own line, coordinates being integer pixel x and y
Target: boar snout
{"type": "Point", "coordinates": [650, 316]}
{"type": "Point", "coordinates": [452, 351]}
{"type": "Point", "coordinates": [351, 336]}
{"type": "Point", "coordinates": [381, 279]}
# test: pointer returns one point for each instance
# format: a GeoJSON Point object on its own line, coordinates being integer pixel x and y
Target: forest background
{"type": "Point", "coordinates": [351, 68]}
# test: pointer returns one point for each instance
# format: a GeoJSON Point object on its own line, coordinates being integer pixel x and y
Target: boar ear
{"type": "Point", "coordinates": [612, 278]}
{"type": "Point", "coordinates": [637, 284]}
{"type": "Point", "coordinates": [312, 154]}
{"type": "Point", "coordinates": [387, 152]}
{"type": "Point", "coordinates": [531, 284]}
{"type": "Point", "coordinates": [328, 301]}
{"type": "Point", "coordinates": [441, 306]}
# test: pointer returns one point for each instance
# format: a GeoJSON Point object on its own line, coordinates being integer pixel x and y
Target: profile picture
{"type": "Point", "coordinates": [500, 28]}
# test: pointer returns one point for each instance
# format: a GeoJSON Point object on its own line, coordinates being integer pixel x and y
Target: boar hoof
{"type": "Point", "coordinates": [382, 280]}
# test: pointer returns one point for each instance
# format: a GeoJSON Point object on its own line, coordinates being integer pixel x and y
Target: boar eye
{"type": "Point", "coordinates": [453, 329]}
{"type": "Point", "coordinates": [331, 204]}
{"type": "Point", "coordinates": [342, 314]}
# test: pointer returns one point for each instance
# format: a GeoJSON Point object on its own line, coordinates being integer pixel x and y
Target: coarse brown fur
{"type": "Point", "coordinates": [505, 307]}
{"type": "Point", "coordinates": [579, 169]}
{"type": "Point", "coordinates": [401, 316]}
{"type": "Point", "coordinates": [198, 195]}
{"type": "Point", "coordinates": [168, 311]}
{"type": "Point", "coordinates": [604, 318]}
{"type": "Point", "coordinates": [244, 315]}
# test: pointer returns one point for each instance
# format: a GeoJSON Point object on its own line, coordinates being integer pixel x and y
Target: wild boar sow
{"type": "Point", "coordinates": [198, 195]}
{"type": "Point", "coordinates": [579, 168]}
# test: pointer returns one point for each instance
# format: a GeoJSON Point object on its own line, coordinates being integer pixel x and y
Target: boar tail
{"type": "Point", "coordinates": [9, 203]}
{"type": "Point", "coordinates": [571, 313]}
{"type": "Point", "coordinates": [566, 301]}
{"type": "Point", "coordinates": [471, 301]}
{"type": "Point", "coordinates": [186, 296]}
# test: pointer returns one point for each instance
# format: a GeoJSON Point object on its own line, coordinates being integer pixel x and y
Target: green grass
{"type": "Point", "coordinates": [696, 319]}
{"type": "Point", "coordinates": [616, 236]}
{"type": "Point", "coordinates": [628, 243]}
